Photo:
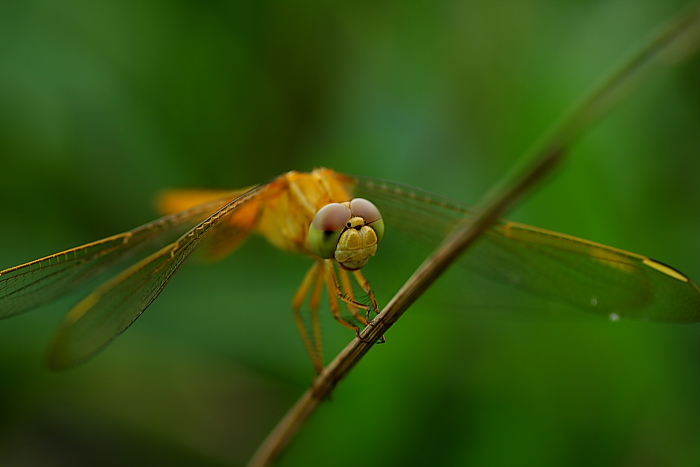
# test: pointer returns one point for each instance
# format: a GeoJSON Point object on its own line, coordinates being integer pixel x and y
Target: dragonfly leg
{"type": "Point", "coordinates": [349, 298]}
{"type": "Point", "coordinates": [334, 293]}
{"type": "Point", "coordinates": [314, 347]}
{"type": "Point", "coordinates": [364, 283]}
{"type": "Point", "coordinates": [346, 293]}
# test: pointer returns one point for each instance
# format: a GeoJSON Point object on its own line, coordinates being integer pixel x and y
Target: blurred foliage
{"type": "Point", "coordinates": [103, 104]}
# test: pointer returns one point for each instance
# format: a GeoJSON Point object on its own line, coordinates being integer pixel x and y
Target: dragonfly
{"type": "Point", "coordinates": [340, 222]}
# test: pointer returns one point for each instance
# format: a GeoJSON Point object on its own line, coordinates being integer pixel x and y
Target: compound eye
{"type": "Point", "coordinates": [360, 207]}
{"type": "Point", "coordinates": [324, 232]}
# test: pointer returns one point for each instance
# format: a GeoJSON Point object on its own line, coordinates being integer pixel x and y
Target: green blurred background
{"type": "Point", "coordinates": [103, 104]}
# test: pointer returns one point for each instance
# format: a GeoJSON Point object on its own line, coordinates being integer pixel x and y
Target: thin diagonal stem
{"type": "Point", "coordinates": [675, 40]}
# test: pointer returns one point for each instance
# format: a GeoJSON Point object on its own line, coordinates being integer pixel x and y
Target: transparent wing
{"type": "Point", "coordinates": [115, 305]}
{"type": "Point", "coordinates": [31, 284]}
{"type": "Point", "coordinates": [517, 266]}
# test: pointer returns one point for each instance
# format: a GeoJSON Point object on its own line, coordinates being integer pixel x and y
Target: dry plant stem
{"type": "Point", "coordinates": [675, 40]}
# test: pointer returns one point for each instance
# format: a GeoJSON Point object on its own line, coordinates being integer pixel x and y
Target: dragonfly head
{"type": "Point", "coordinates": [348, 232]}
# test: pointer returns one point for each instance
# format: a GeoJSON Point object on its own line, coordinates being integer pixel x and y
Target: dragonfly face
{"type": "Point", "coordinates": [348, 232]}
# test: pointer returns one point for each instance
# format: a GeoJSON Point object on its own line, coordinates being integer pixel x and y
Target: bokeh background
{"type": "Point", "coordinates": [103, 104]}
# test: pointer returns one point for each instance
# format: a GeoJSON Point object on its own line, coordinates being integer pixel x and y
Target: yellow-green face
{"type": "Point", "coordinates": [348, 232]}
